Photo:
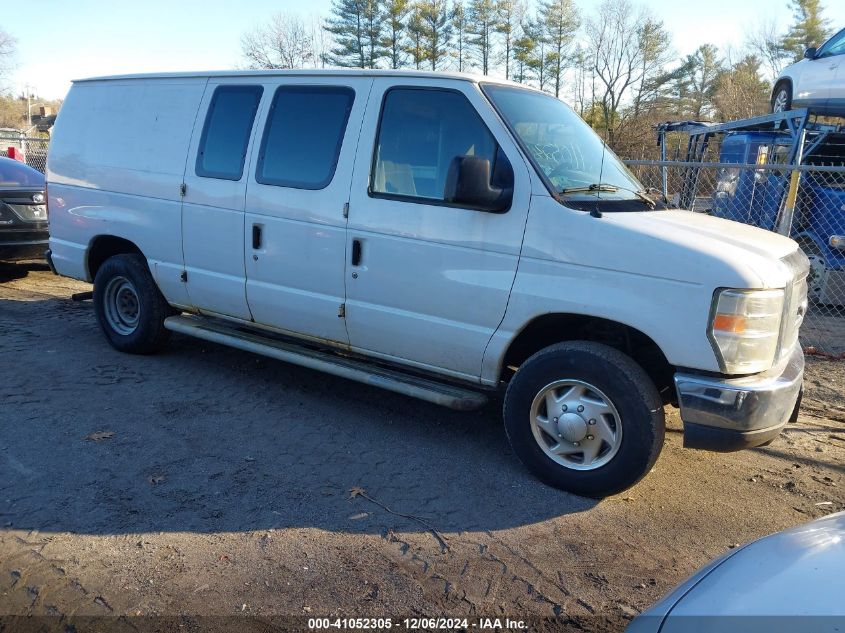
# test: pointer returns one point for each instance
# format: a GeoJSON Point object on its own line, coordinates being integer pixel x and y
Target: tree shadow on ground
{"type": "Point", "coordinates": [205, 439]}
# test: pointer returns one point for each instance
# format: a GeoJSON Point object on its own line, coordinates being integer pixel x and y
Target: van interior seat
{"type": "Point", "coordinates": [395, 178]}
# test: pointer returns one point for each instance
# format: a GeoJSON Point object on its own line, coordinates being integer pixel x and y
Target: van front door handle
{"type": "Point", "coordinates": [356, 252]}
{"type": "Point", "coordinates": [256, 236]}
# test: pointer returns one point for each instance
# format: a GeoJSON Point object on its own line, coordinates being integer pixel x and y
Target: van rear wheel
{"type": "Point", "coordinates": [584, 417]}
{"type": "Point", "coordinates": [129, 306]}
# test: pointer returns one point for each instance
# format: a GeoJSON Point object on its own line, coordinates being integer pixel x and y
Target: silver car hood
{"type": "Point", "coordinates": [789, 581]}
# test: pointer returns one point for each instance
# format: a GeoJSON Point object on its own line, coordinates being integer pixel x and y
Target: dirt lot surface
{"type": "Point", "coordinates": [210, 481]}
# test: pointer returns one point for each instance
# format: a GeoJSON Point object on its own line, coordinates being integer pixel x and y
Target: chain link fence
{"type": "Point", "coordinates": [32, 150]}
{"type": "Point", "coordinates": [758, 194]}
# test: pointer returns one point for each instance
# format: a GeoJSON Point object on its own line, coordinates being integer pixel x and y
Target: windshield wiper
{"type": "Point", "coordinates": [599, 186]}
{"type": "Point", "coordinates": [642, 196]}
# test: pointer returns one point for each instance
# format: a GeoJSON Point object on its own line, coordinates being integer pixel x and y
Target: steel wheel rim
{"type": "Point", "coordinates": [121, 305]}
{"type": "Point", "coordinates": [815, 276]}
{"type": "Point", "coordinates": [576, 425]}
{"type": "Point", "coordinates": [780, 101]}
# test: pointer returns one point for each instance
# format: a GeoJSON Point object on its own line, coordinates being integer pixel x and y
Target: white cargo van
{"type": "Point", "coordinates": [443, 236]}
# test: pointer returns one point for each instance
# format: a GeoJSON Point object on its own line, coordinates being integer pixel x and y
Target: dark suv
{"type": "Point", "coordinates": [23, 211]}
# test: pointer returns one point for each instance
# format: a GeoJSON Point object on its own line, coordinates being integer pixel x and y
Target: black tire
{"type": "Point", "coordinates": [629, 390]}
{"type": "Point", "coordinates": [785, 88]}
{"type": "Point", "coordinates": [149, 335]}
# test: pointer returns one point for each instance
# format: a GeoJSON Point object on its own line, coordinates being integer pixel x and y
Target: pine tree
{"type": "Point", "coordinates": [740, 91]}
{"type": "Point", "coordinates": [538, 60]}
{"type": "Point", "coordinates": [395, 14]}
{"type": "Point", "coordinates": [561, 21]}
{"type": "Point", "coordinates": [347, 27]}
{"type": "Point", "coordinates": [459, 29]}
{"type": "Point", "coordinates": [356, 26]}
{"type": "Point", "coordinates": [416, 35]}
{"type": "Point", "coordinates": [373, 27]}
{"type": "Point", "coordinates": [482, 20]}
{"type": "Point", "coordinates": [437, 31]}
{"type": "Point", "coordinates": [809, 28]}
{"type": "Point", "coordinates": [524, 50]}
{"type": "Point", "coordinates": [699, 86]}
{"type": "Point", "coordinates": [509, 16]}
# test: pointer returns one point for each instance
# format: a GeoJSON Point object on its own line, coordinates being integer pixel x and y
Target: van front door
{"type": "Point", "coordinates": [295, 236]}
{"type": "Point", "coordinates": [428, 280]}
{"type": "Point", "coordinates": [213, 202]}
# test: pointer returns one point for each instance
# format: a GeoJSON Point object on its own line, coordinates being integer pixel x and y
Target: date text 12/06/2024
{"type": "Point", "coordinates": [414, 624]}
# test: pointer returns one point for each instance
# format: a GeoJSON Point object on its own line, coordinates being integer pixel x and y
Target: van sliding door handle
{"type": "Point", "coordinates": [356, 252]}
{"type": "Point", "coordinates": [256, 236]}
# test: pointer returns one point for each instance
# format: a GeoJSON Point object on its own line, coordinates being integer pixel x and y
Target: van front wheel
{"type": "Point", "coordinates": [584, 417]}
{"type": "Point", "coordinates": [129, 306]}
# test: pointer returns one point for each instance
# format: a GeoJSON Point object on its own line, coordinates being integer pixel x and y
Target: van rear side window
{"type": "Point", "coordinates": [303, 136]}
{"type": "Point", "coordinates": [225, 135]}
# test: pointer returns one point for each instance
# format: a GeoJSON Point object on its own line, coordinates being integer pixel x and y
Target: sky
{"type": "Point", "coordinates": [61, 40]}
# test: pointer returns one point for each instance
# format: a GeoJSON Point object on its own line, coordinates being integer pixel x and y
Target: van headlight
{"type": "Point", "coordinates": [745, 328]}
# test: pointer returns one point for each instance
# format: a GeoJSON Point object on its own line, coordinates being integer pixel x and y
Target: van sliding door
{"type": "Point", "coordinates": [299, 183]}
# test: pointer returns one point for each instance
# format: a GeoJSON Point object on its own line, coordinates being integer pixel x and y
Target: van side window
{"type": "Point", "coordinates": [420, 134]}
{"type": "Point", "coordinates": [225, 135]}
{"type": "Point", "coordinates": [303, 136]}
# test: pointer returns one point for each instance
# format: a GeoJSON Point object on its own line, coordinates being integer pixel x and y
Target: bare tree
{"type": "Point", "coordinates": [765, 42]}
{"type": "Point", "coordinates": [285, 42]}
{"type": "Point", "coordinates": [583, 67]}
{"type": "Point", "coordinates": [322, 42]}
{"type": "Point", "coordinates": [620, 38]}
{"type": "Point", "coordinates": [8, 46]}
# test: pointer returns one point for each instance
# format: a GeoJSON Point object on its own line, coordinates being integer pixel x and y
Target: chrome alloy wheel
{"type": "Point", "coordinates": [576, 425]}
{"type": "Point", "coordinates": [122, 308]}
{"type": "Point", "coordinates": [780, 101]}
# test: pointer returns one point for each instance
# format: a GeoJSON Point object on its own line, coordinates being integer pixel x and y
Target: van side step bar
{"type": "Point", "coordinates": [443, 394]}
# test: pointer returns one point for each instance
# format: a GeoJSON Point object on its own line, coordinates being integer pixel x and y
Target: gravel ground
{"type": "Point", "coordinates": [210, 481]}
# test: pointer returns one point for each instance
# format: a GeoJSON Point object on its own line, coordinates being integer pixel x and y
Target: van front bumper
{"type": "Point", "coordinates": [729, 414]}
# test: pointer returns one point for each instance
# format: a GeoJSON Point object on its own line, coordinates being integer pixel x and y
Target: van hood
{"type": "Point", "coordinates": [753, 253]}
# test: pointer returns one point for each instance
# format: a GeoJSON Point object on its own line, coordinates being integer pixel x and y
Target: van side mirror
{"type": "Point", "coordinates": [810, 53]}
{"type": "Point", "coordinates": [470, 182]}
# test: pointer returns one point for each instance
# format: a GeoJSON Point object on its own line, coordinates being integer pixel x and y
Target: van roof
{"type": "Point", "coordinates": [349, 72]}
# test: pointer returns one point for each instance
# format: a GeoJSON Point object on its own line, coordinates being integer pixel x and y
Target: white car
{"type": "Point", "coordinates": [442, 236]}
{"type": "Point", "coordinates": [816, 82]}
{"type": "Point", "coordinates": [781, 583]}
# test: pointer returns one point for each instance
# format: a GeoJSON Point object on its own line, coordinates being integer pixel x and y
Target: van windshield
{"type": "Point", "coordinates": [575, 162]}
